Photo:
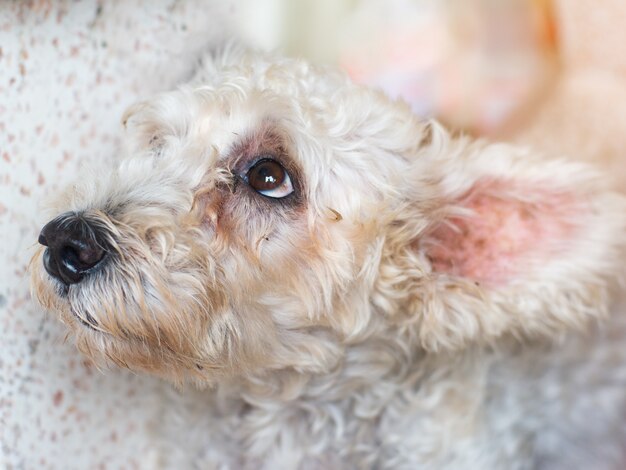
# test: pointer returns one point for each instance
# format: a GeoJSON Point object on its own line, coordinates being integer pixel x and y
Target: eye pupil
{"type": "Point", "coordinates": [269, 178]}
{"type": "Point", "coordinates": [266, 175]}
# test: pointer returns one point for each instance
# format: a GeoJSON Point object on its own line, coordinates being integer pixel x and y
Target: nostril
{"type": "Point", "coordinates": [69, 257]}
{"type": "Point", "coordinates": [76, 258]}
{"type": "Point", "coordinates": [81, 255]}
{"type": "Point", "coordinates": [68, 265]}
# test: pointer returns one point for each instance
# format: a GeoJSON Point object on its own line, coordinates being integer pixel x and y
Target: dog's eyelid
{"type": "Point", "coordinates": [259, 158]}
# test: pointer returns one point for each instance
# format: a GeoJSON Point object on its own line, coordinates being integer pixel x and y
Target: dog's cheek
{"type": "Point", "coordinates": [263, 234]}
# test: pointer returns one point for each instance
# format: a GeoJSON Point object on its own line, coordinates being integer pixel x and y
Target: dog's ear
{"type": "Point", "coordinates": [167, 116]}
{"type": "Point", "coordinates": [162, 119]}
{"type": "Point", "coordinates": [215, 61]}
{"type": "Point", "coordinates": [491, 240]}
{"type": "Point", "coordinates": [142, 131]}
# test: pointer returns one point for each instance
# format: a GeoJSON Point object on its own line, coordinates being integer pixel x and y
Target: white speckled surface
{"type": "Point", "coordinates": [67, 71]}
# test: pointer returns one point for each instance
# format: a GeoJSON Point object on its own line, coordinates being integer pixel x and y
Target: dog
{"type": "Point", "coordinates": [352, 286]}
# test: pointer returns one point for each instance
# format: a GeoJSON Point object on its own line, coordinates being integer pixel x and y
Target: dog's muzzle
{"type": "Point", "coordinates": [75, 248]}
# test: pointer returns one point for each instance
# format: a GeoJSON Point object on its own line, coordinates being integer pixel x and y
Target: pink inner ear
{"type": "Point", "coordinates": [505, 237]}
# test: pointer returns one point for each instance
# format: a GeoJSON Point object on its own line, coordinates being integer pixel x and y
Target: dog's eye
{"type": "Point", "coordinates": [269, 178]}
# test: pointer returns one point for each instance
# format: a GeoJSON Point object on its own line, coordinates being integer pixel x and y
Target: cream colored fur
{"type": "Point", "coordinates": [322, 330]}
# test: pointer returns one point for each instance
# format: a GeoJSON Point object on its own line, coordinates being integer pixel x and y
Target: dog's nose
{"type": "Point", "coordinates": [74, 248]}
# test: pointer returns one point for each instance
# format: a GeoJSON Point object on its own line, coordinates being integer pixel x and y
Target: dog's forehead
{"type": "Point", "coordinates": [245, 127]}
{"type": "Point", "coordinates": [221, 129]}
{"type": "Point", "coordinates": [242, 101]}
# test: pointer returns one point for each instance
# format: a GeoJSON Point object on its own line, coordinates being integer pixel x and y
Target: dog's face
{"type": "Point", "coordinates": [269, 212]}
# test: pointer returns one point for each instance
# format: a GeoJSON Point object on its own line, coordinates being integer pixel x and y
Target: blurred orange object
{"type": "Point", "coordinates": [583, 113]}
{"type": "Point", "coordinates": [472, 64]}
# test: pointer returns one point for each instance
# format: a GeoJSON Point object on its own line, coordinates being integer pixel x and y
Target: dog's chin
{"type": "Point", "coordinates": [107, 343]}
{"type": "Point", "coordinates": [59, 299]}
{"type": "Point", "coordinates": [106, 350]}
{"type": "Point", "coordinates": [128, 350]}
{"type": "Point", "coordinates": [54, 296]}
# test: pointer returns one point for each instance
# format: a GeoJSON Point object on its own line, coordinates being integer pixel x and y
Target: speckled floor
{"type": "Point", "coordinates": [67, 71]}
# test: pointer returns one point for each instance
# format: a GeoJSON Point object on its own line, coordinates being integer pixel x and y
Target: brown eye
{"type": "Point", "coordinates": [269, 178]}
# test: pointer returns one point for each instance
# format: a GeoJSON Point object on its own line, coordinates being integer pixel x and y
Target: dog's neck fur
{"type": "Point", "coordinates": [371, 385]}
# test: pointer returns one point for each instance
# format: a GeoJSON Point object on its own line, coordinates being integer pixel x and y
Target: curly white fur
{"type": "Point", "coordinates": [418, 303]}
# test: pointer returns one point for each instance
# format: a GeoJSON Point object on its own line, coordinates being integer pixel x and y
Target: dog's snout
{"type": "Point", "coordinates": [75, 247]}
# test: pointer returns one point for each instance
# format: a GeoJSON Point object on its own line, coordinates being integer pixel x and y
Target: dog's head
{"type": "Point", "coordinates": [270, 212]}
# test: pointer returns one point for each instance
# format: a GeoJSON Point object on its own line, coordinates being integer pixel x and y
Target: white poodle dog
{"type": "Point", "coordinates": [354, 287]}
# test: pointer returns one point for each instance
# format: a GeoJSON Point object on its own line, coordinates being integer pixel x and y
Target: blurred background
{"type": "Point", "coordinates": [471, 63]}
{"type": "Point", "coordinates": [550, 74]}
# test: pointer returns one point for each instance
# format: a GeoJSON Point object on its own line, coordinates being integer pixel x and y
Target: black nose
{"type": "Point", "coordinates": [75, 247]}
